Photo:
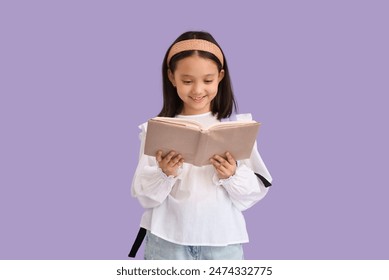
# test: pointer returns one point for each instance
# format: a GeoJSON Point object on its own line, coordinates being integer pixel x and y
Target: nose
{"type": "Point", "coordinates": [197, 88]}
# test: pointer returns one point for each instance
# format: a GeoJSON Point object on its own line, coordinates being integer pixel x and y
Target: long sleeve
{"type": "Point", "coordinates": [244, 187]}
{"type": "Point", "coordinates": [150, 185]}
{"type": "Point", "coordinates": [178, 208]}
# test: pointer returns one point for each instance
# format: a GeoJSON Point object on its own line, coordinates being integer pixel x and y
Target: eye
{"type": "Point", "coordinates": [208, 81]}
{"type": "Point", "coordinates": [187, 82]}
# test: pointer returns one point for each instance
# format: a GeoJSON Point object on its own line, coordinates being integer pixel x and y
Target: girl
{"type": "Point", "coordinates": [196, 212]}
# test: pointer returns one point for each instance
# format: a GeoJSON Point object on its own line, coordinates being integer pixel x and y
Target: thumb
{"type": "Point", "coordinates": [230, 159]}
{"type": "Point", "coordinates": [159, 156]}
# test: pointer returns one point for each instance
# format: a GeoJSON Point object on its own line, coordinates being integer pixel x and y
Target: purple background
{"type": "Point", "coordinates": [77, 77]}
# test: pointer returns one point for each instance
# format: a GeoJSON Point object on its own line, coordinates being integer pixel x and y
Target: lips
{"type": "Point", "coordinates": [198, 99]}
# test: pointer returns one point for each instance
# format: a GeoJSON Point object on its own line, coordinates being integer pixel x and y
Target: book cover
{"type": "Point", "coordinates": [197, 144]}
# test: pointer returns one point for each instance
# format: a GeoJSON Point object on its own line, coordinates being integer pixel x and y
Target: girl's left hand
{"type": "Point", "coordinates": [225, 167]}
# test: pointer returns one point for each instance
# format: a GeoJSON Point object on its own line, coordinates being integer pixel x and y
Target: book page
{"type": "Point", "coordinates": [195, 124]}
{"type": "Point", "coordinates": [178, 121]}
{"type": "Point", "coordinates": [231, 124]}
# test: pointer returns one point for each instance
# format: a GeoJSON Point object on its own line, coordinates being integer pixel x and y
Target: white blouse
{"type": "Point", "coordinates": [196, 208]}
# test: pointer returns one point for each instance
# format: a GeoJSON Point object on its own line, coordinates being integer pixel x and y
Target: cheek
{"type": "Point", "coordinates": [214, 88]}
{"type": "Point", "coordinates": [182, 90]}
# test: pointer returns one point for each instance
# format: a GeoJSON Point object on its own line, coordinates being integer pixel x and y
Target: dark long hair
{"type": "Point", "coordinates": [222, 105]}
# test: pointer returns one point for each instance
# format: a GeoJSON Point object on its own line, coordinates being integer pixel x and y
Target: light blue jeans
{"type": "Point", "coordinates": [159, 249]}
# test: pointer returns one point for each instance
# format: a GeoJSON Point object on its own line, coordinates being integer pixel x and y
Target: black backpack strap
{"type": "Point", "coordinates": [265, 182]}
{"type": "Point", "coordinates": [138, 241]}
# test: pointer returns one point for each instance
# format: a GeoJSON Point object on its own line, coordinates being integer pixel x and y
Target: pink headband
{"type": "Point", "coordinates": [195, 45]}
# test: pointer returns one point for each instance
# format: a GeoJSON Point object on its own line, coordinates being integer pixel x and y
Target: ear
{"type": "Point", "coordinates": [171, 77]}
{"type": "Point", "coordinates": [221, 75]}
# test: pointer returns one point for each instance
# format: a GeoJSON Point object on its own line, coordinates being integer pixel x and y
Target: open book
{"type": "Point", "coordinates": [198, 144]}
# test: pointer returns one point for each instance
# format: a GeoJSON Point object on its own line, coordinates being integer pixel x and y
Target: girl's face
{"type": "Point", "coordinates": [196, 80]}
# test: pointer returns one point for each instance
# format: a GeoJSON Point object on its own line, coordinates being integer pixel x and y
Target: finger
{"type": "Point", "coordinates": [158, 156]}
{"type": "Point", "coordinates": [215, 163]}
{"type": "Point", "coordinates": [169, 156]}
{"type": "Point", "coordinates": [178, 157]}
{"type": "Point", "coordinates": [225, 163]}
{"type": "Point", "coordinates": [230, 159]}
{"type": "Point", "coordinates": [220, 170]}
{"type": "Point", "coordinates": [175, 160]}
{"type": "Point", "coordinates": [179, 163]}
{"type": "Point", "coordinates": [218, 158]}
{"type": "Point", "coordinates": [223, 170]}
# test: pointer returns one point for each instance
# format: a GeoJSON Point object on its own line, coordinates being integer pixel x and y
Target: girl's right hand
{"type": "Point", "coordinates": [169, 163]}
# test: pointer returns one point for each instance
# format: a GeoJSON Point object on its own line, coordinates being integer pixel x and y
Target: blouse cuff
{"type": "Point", "coordinates": [220, 182]}
{"type": "Point", "coordinates": [170, 178]}
{"type": "Point", "coordinates": [228, 181]}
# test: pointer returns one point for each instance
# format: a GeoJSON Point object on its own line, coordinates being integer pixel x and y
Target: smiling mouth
{"type": "Point", "coordinates": [198, 99]}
